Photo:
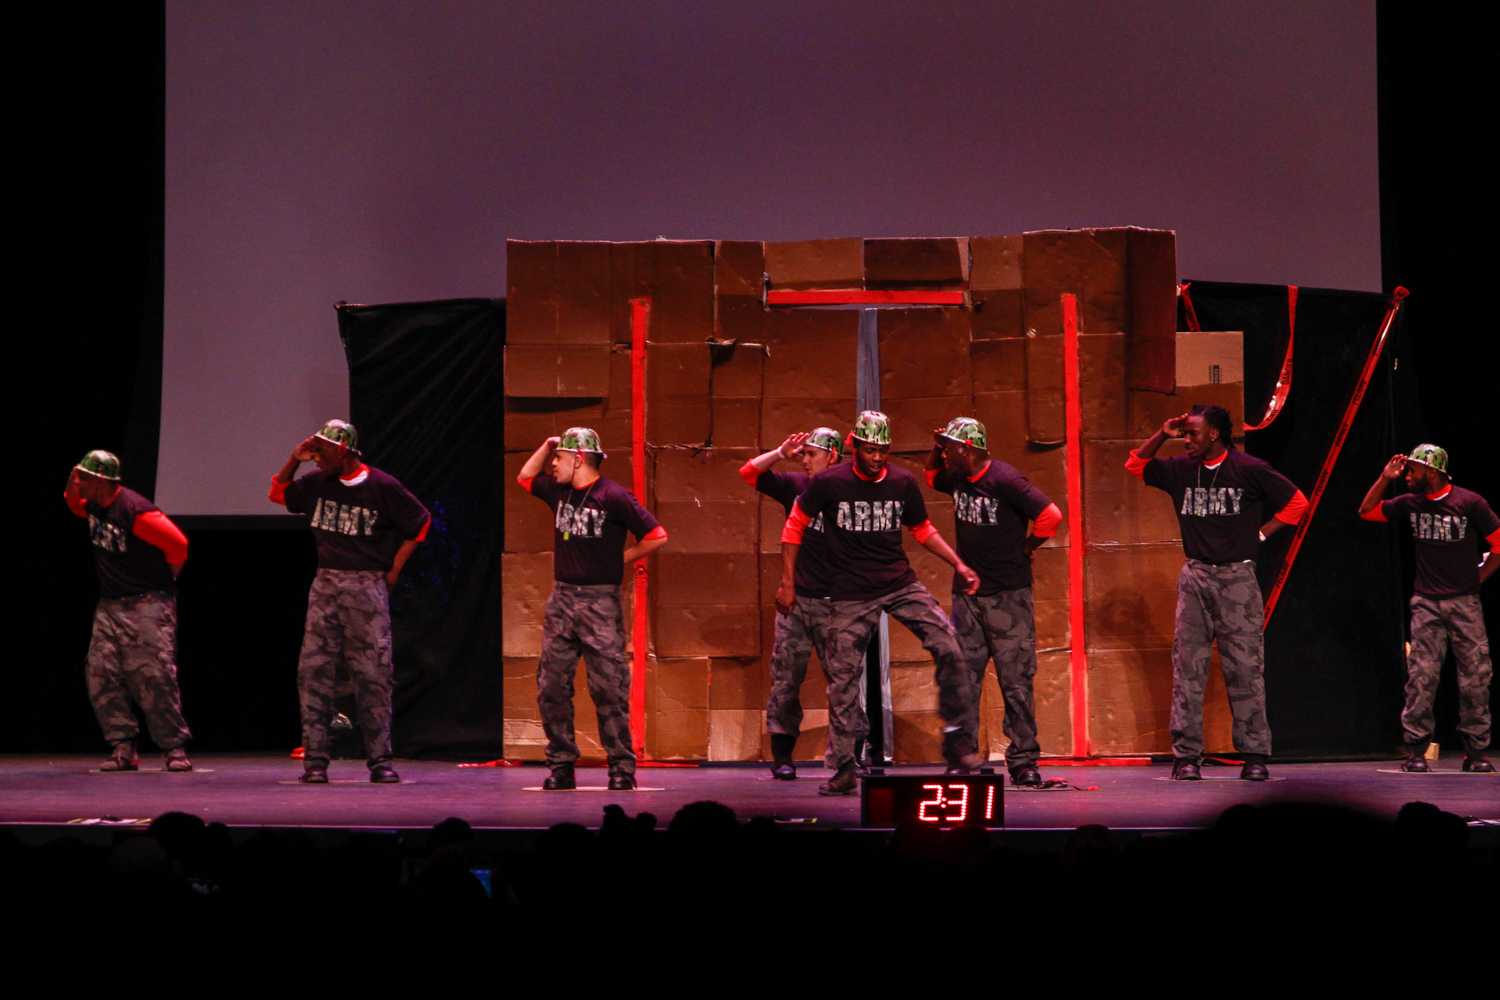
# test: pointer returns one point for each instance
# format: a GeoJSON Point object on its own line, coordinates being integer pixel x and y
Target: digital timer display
{"type": "Point", "coordinates": [939, 800]}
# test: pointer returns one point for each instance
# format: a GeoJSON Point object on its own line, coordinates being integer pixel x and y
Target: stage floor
{"type": "Point", "coordinates": [253, 791]}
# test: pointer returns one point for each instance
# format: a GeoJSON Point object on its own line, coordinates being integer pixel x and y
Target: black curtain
{"type": "Point", "coordinates": [425, 392]}
{"type": "Point", "coordinates": [1334, 665]}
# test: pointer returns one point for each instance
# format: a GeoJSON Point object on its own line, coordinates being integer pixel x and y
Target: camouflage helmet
{"type": "Point", "coordinates": [826, 438]}
{"type": "Point", "coordinates": [341, 433]}
{"type": "Point", "coordinates": [966, 430]}
{"type": "Point", "coordinates": [581, 439]}
{"type": "Point", "coordinates": [100, 463]}
{"type": "Point", "coordinates": [872, 427]}
{"type": "Point", "coordinates": [1431, 456]}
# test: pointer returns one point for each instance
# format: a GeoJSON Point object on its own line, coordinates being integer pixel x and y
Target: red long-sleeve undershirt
{"type": "Point", "coordinates": [153, 527]}
{"type": "Point", "coordinates": [1047, 521]}
{"type": "Point", "coordinates": [797, 522]}
{"type": "Point", "coordinates": [1292, 513]}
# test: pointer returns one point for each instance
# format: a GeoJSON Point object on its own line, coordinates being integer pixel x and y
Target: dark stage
{"type": "Point", "coordinates": [261, 791]}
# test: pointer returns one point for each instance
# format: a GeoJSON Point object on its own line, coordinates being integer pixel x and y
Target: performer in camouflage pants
{"type": "Point", "coordinates": [590, 517]}
{"type": "Point", "coordinates": [1003, 626]}
{"type": "Point", "coordinates": [1220, 604]}
{"type": "Point", "coordinates": [347, 619]}
{"type": "Point", "coordinates": [366, 526]}
{"type": "Point", "coordinates": [1451, 529]}
{"type": "Point", "coordinates": [138, 553]}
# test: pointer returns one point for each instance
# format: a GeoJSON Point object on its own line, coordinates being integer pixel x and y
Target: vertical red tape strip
{"type": "Point", "coordinates": [1283, 387]}
{"type": "Point", "coordinates": [1339, 437]}
{"type": "Point", "coordinates": [1078, 660]}
{"type": "Point", "coordinates": [640, 321]}
{"type": "Point", "coordinates": [1189, 313]}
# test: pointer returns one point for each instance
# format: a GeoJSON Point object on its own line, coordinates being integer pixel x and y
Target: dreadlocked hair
{"type": "Point", "coordinates": [1218, 418]}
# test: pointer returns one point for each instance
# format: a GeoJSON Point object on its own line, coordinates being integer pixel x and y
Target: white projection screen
{"type": "Point", "coordinates": [383, 151]}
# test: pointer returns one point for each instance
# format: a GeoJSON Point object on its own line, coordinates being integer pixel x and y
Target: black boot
{"type": "Point", "coordinates": [560, 780]}
{"type": "Point", "coordinates": [843, 782]}
{"type": "Point", "coordinates": [782, 746]}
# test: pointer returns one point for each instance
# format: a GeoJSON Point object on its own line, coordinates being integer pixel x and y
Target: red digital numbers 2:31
{"type": "Point", "coordinates": [950, 803]}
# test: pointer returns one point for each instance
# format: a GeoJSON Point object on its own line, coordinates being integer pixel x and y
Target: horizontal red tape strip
{"type": "Point", "coordinates": [861, 296]}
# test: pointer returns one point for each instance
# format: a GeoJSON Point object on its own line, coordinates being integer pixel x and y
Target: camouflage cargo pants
{"type": "Point", "coordinates": [850, 626]}
{"type": "Point", "coordinates": [1002, 626]}
{"type": "Point", "coordinates": [133, 658]}
{"type": "Point", "coordinates": [796, 636]}
{"type": "Point", "coordinates": [1435, 623]}
{"type": "Point", "coordinates": [348, 618]}
{"type": "Point", "coordinates": [585, 621]}
{"type": "Point", "coordinates": [1219, 604]}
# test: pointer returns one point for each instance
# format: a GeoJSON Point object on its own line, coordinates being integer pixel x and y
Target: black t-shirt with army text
{"type": "Point", "coordinates": [862, 522]}
{"type": "Point", "coordinates": [1449, 535]}
{"type": "Point", "coordinates": [359, 526]}
{"type": "Point", "coordinates": [588, 529]}
{"type": "Point", "coordinates": [126, 565]}
{"type": "Point", "coordinates": [991, 516]}
{"type": "Point", "coordinates": [1220, 511]}
{"type": "Point", "coordinates": [812, 561]}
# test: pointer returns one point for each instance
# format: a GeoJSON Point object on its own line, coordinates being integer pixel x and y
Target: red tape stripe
{"type": "Point", "coordinates": [1339, 437]}
{"type": "Point", "coordinates": [1283, 387]}
{"type": "Point", "coordinates": [862, 297]}
{"type": "Point", "coordinates": [1078, 659]}
{"type": "Point", "coordinates": [640, 322]}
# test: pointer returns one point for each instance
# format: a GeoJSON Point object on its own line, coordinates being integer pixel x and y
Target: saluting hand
{"type": "Point", "coordinates": [793, 444]}
{"type": "Point", "coordinates": [1395, 468]}
{"type": "Point", "coordinates": [306, 451]}
{"type": "Point", "coordinates": [1175, 426]}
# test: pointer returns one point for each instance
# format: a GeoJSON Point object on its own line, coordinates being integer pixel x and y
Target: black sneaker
{"type": "Point", "coordinates": [622, 782]}
{"type": "Point", "coordinates": [1254, 770]}
{"type": "Point", "coordinates": [1186, 769]}
{"type": "Point", "coordinates": [384, 774]}
{"type": "Point", "coordinates": [1415, 764]}
{"type": "Point", "coordinates": [843, 782]}
{"type": "Point", "coordinates": [1478, 765]}
{"type": "Point", "coordinates": [784, 770]}
{"type": "Point", "coordinates": [314, 774]}
{"type": "Point", "coordinates": [1027, 776]}
{"type": "Point", "coordinates": [560, 780]}
{"type": "Point", "coordinates": [122, 759]}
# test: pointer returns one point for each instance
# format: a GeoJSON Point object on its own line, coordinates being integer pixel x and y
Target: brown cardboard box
{"type": "Point", "coordinates": [557, 370]}
{"type": "Point", "coordinates": [707, 630]}
{"type": "Point", "coordinates": [1090, 263]}
{"type": "Point", "coordinates": [913, 686]}
{"type": "Point", "coordinates": [996, 262]}
{"type": "Point", "coordinates": [1101, 383]}
{"type": "Point", "coordinates": [710, 525]}
{"type": "Point", "coordinates": [1119, 509]}
{"type": "Point", "coordinates": [705, 579]}
{"type": "Point", "coordinates": [1210, 358]}
{"type": "Point", "coordinates": [525, 583]}
{"type": "Point", "coordinates": [683, 420]}
{"type": "Point", "coordinates": [999, 314]}
{"type": "Point", "coordinates": [682, 296]}
{"type": "Point", "coordinates": [583, 293]}
{"type": "Point", "coordinates": [784, 415]}
{"type": "Point", "coordinates": [812, 741]}
{"type": "Point", "coordinates": [1149, 410]}
{"type": "Point", "coordinates": [737, 683]}
{"type": "Point", "coordinates": [1131, 595]}
{"type": "Point", "coordinates": [735, 734]}
{"type": "Point", "coordinates": [1044, 389]}
{"type": "Point", "coordinates": [813, 352]}
{"type": "Point", "coordinates": [632, 275]}
{"type": "Point", "coordinates": [711, 474]}
{"type": "Point", "coordinates": [914, 420]}
{"type": "Point", "coordinates": [1049, 588]}
{"type": "Point", "coordinates": [908, 263]}
{"type": "Point", "coordinates": [683, 370]}
{"type": "Point", "coordinates": [522, 737]}
{"type": "Point", "coordinates": [816, 264]}
{"type": "Point", "coordinates": [531, 294]}
{"type": "Point", "coordinates": [677, 708]}
{"type": "Point", "coordinates": [740, 268]}
{"type": "Point", "coordinates": [992, 738]}
{"type": "Point", "coordinates": [1053, 688]}
{"type": "Point", "coordinates": [1153, 307]}
{"type": "Point", "coordinates": [1130, 700]}
{"type": "Point", "coordinates": [739, 317]}
{"type": "Point", "coordinates": [529, 422]}
{"type": "Point", "coordinates": [998, 365]}
{"type": "Point", "coordinates": [1004, 417]}
{"type": "Point", "coordinates": [924, 352]}
{"type": "Point", "coordinates": [772, 520]}
{"type": "Point", "coordinates": [919, 738]}
{"type": "Point", "coordinates": [528, 521]}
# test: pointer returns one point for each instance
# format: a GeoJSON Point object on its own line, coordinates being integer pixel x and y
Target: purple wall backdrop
{"type": "Point", "coordinates": [383, 151]}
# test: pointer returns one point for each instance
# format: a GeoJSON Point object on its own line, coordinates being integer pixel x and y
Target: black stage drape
{"type": "Point", "coordinates": [425, 393]}
{"type": "Point", "coordinates": [1334, 663]}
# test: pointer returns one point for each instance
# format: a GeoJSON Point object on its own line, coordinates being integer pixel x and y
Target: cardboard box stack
{"type": "Point", "coordinates": [770, 372]}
